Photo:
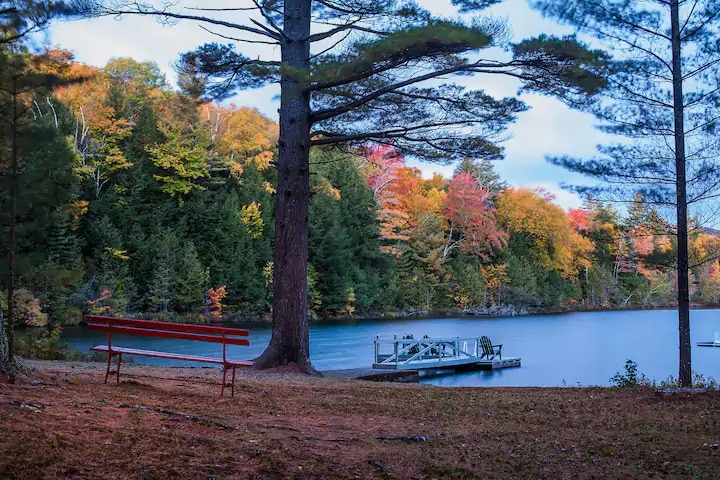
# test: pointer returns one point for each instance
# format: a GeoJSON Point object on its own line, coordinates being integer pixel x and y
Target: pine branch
{"type": "Point", "coordinates": [350, 26]}
{"type": "Point", "coordinates": [714, 15]}
{"type": "Point", "coordinates": [329, 138]}
{"type": "Point", "coordinates": [334, 112]}
{"type": "Point", "coordinates": [242, 40]}
{"type": "Point", "coordinates": [135, 8]}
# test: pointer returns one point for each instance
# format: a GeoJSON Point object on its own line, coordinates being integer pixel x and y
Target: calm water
{"type": "Point", "coordinates": [567, 349]}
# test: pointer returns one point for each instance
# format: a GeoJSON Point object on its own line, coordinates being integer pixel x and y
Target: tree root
{"type": "Point", "coordinates": [12, 369]}
{"type": "Point", "coordinates": [273, 359]}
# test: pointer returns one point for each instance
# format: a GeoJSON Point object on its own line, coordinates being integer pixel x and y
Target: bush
{"type": "Point", "coordinates": [630, 378]}
{"type": "Point", "coordinates": [698, 381]}
{"type": "Point", "coordinates": [47, 346]}
{"type": "Point", "coordinates": [27, 309]}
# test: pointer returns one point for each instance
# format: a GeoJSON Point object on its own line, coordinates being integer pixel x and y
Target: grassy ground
{"type": "Point", "coordinates": [169, 423]}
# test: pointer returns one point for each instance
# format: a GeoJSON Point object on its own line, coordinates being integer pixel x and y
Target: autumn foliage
{"type": "Point", "coordinates": [214, 301]}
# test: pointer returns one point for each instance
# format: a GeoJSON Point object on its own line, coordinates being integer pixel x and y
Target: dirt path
{"type": "Point", "coordinates": [169, 423]}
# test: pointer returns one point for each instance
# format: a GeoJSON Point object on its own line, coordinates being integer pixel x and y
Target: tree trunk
{"type": "Point", "coordinates": [290, 342]}
{"type": "Point", "coordinates": [7, 327]}
{"type": "Point", "coordinates": [4, 350]}
{"type": "Point", "coordinates": [10, 332]}
{"type": "Point", "coordinates": [685, 375]}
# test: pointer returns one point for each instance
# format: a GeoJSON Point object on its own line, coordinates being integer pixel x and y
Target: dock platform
{"type": "Point", "coordinates": [374, 374]}
{"type": "Point", "coordinates": [714, 343]}
{"type": "Point", "coordinates": [437, 353]}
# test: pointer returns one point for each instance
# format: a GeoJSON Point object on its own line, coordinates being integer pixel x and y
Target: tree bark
{"type": "Point", "coordinates": [4, 351]}
{"type": "Point", "coordinates": [10, 332]}
{"type": "Point", "coordinates": [290, 342]}
{"type": "Point", "coordinates": [7, 327]}
{"type": "Point", "coordinates": [685, 375]}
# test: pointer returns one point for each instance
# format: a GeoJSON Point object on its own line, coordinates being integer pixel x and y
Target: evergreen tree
{"type": "Point", "coordinates": [482, 171]}
{"type": "Point", "coordinates": [163, 289]}
{"type": "Point", "coordinates": [427, 244]}
{"type": "Point", "coordinates": [22, 74]}
{"type": "Point", "coordinates": [663, 92]}
{"type": "Point", "coordinates": [191, 280]}
{"type": "Point", "coordinates": [344, 233]}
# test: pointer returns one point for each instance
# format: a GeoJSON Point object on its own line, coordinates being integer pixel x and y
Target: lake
{"type": "Point", "coordinates": [560, 349]}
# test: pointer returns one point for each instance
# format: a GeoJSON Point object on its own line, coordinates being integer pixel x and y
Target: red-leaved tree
{"type": "Point", "coordinates": [471, 218]}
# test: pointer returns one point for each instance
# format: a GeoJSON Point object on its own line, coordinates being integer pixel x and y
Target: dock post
{"type": "Point", "coordinates": [377, 347]}
{"type": "Point", "coordinates": [396, 352]}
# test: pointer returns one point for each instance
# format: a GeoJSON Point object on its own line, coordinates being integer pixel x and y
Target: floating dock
{"type": "Point", "coordinates": [714, 343]}
{"type": "Point", "coordinates": [374, 375]}
{"type": "Point", "coordinates": [437, 353]}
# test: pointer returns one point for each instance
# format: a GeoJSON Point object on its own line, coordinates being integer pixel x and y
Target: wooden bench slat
{"type": "Point", "coordinates": [174, 356]}
{"type": "Point", "coordinates": [154, 324]}
{"type": "Point", "coordinates": [151, 332]}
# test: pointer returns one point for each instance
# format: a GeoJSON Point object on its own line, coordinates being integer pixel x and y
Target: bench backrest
{"type": "Point", "coordinates": [486, 345]}
{"type": "Point", "coordinates": [180, 331]}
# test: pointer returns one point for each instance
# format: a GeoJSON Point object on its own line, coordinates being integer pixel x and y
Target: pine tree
{"type": "Point", "coordinates": [163, 287]}
{"type": "Point", "coordinates": [191, 280]}
{"type": "Point", "coordinates": [21, 75]}
{"type": "Point", "coordinates": [663, 93]}
{"type": "Point", "coordinates": [427, 243]}
{"type": "Point", "coordinates": [482, 171]}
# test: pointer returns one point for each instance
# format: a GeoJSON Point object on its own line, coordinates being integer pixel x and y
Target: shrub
{"type": "Point", "coordinates": [630, 378]}
{"type": "Point", "coordinates": [47, 345]}
{"type": "Point", "coordinates": [27, 309]}
{"type": "Point", "coordinates": [698, 381]}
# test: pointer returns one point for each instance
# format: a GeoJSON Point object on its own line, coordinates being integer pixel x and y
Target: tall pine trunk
{"type": "Point", "coordinates": [7, 327]}
{"type": "Point", "coordinates": [13, 220]}
{"type": "Point", "coordinates": [290, 342]}
{"type": "Point", "coordinates": [4, 350]}
{"type": "Point", "coordinates": [680, 184]}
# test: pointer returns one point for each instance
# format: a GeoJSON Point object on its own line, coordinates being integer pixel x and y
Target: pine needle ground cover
{"type": "Point", "coordinates": [61, 421]}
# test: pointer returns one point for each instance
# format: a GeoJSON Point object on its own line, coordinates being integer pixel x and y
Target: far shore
{"type": "Point", "coordinates": [492, 312]}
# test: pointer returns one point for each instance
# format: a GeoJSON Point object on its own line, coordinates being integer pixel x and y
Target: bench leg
{"type": "Point", "coordinates": [107, 372]}
{"type": "Point", "coordinates": [116, 372]}
{"type": "Point", "coordinates": [222, 389]}
{"type": "Point", "coordinates": [233, 383]}
{"type": "Point", "coordinates": [117, 380]}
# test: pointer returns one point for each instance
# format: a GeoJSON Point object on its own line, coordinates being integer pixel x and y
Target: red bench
{"type": "Point", "coordinates": [180, 331]}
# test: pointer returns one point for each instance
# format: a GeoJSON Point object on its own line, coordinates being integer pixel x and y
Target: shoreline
{"type": "Point", "coordinates": [424, 314]}
{"type": "Point", "coordinates": [421, 314]}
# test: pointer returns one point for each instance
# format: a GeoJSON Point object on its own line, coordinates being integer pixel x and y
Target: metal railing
{"type": "Point", "coordinates": [406, 351]}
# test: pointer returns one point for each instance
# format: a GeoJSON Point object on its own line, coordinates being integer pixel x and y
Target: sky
{"type": "Point", "coordinates": [548, 128]}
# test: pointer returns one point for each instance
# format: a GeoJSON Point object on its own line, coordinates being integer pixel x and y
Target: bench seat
{"type": "Point", "coordinates": [173, 356]}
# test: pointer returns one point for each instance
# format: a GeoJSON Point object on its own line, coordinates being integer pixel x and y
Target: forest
{"type": "Point", "coordinates": [138, 199]}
